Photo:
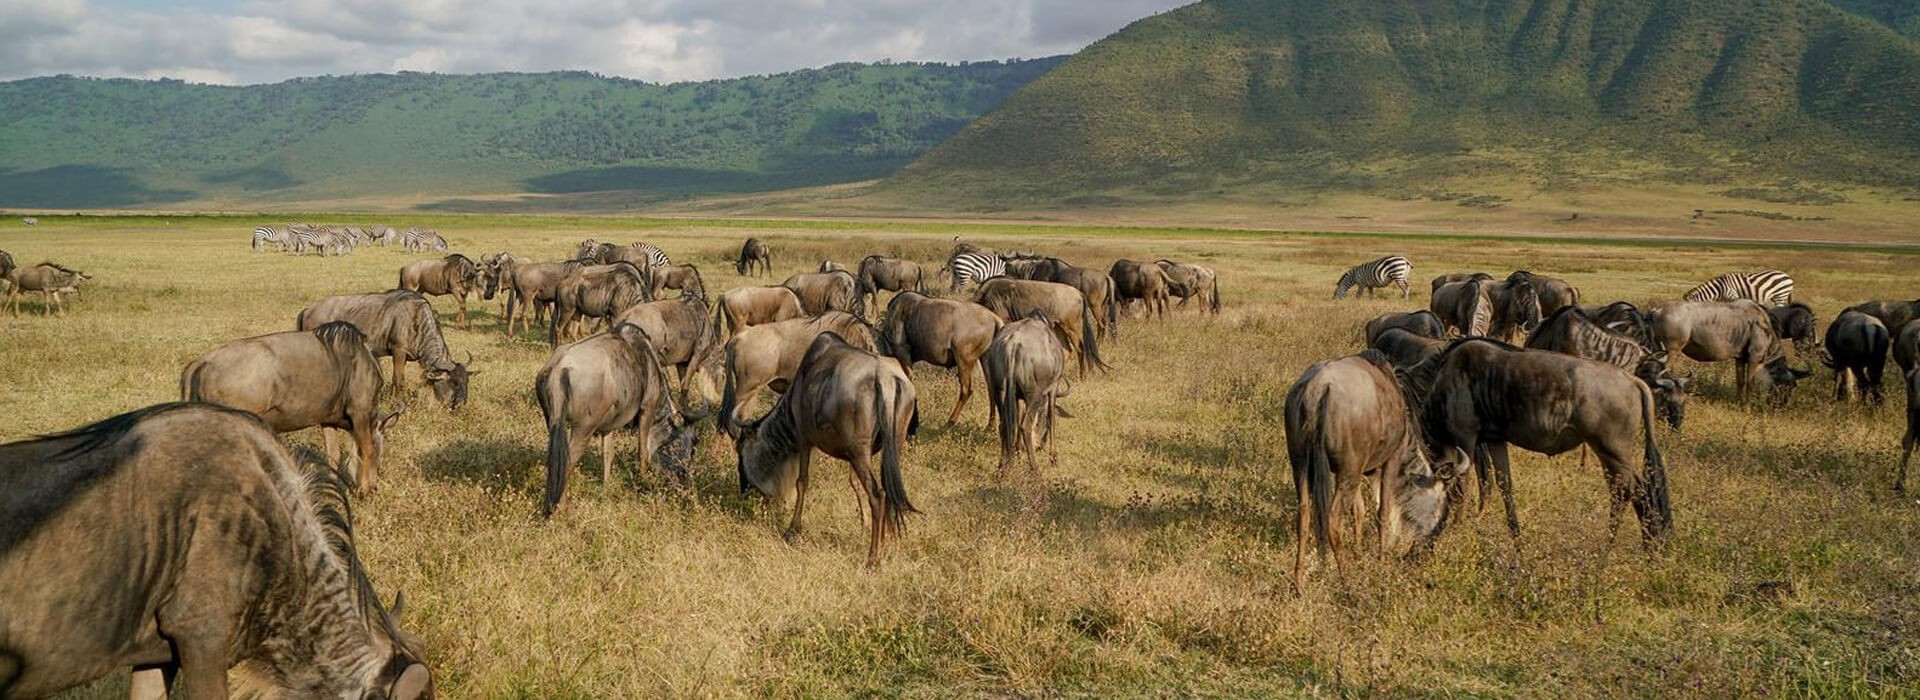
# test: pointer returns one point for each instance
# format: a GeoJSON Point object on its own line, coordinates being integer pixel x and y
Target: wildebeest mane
{"type": "Point", "coordinates": [58, 266]}
{"type": "Point", "coordinates": [325, 490]}
{"type": "Point", "coordinates": [93, 436]}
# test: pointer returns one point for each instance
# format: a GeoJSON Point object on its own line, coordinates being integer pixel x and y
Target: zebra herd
{"type": "Point", "coordinates": [341, 240]}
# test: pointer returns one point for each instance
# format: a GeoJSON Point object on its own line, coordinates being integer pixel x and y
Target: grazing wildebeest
{"type": "Point", "coordinates": [1912, 437]}
{"type": "Point", "coordinates": [678, 330]}
{"type": "Point", "coordinates": [1145, 282]}
{"type": "Point", "coordinates": [1348, 419]}
{"type": "Point", "coordinates": [820, 292]}
{"type": "Point", "coordinates": [294, 380]}
{"type": "Point", "coordinates": [848, 403]}
{"type": "Point", "coordinates": [398, 324]}
{"type": "Point", "coordinates": [1097, 288]}
{"type": "Point", "coordinates": [6, 269]}
{"type": "Point", "coordinates": [1024, 364]}
{"type": "Point", "coordinates": [1415, 322]}
{"type": "Point", "coordinates": [883, 274]}
{"type": "Point", "coordinates": [1856, 351]}
{"type": "Point", "coordinates": [1516, 307]}
{"type": "Point", "coordinates": [1555, 294]}
{"type": "Point", "coordinates": [1187, 280]}
{"type": "Point", "coordinates": [1030, 268]}
{"type": "Point", "coordinates": [769, 354]}
{"type": "Point", "coordinates": [1570, 331]}
{"type": "Point", "coordinates": [1480, 395]}
{"type": "Point", "coordinates": [1012, 299]}
{"type": "Point", "coordinates": [182, 540]}
{"type": "Point", "coordinates": [1711, 331]}
{"type": "Point", "coordinates": [1453, 277]}
{"type": "Point", "coordinates": [49, 279]}
{"type": "Point", "coordinates": [1906, 347]}
{"type": "Point", "coordinates": [940, 332]}
{"type": "Point", "coordinates": [455, 275]}
{"type": "Point", "coordinates": [593, 250]}
{"type": "Point", "coordinates": [533, 284]}
{"type": "Point", "coordinates": [743, 308]}
{"type": "Point", "coordinates": [1795, 322]}
{"type": "Point", "coordinates": [1466, 307]}
{"type": "Point", "coordinates": [684, 277]}
{"type": "Point", "coordinates": [754, 251]}
{"type": "Point", "coordinates": [599, 385]}
{"type": "Point", "coordinates": [1894, 314]}
{"type": "Point", "coordinates": [1623, 318]}
{"type": "Point", "coordinates": [595, 291]}
{"type": "Point", "coordinates": [1405, 348]}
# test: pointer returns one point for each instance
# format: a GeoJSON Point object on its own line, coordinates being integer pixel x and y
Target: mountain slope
{"type": "Point", "coordinates": [1400, 94]}
{"type": "Point", "coordinates": [87, 142]}
{"type": "Point", "coordinates": [1902, 15]}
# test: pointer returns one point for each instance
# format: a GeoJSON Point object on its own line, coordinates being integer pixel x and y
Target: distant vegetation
{"type": "Point", "coordinates": [83, 142]}
{"type": "Point", "coordinates": [1447, 94]}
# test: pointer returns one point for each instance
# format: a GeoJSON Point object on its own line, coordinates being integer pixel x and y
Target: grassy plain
{"type": "Point", "coordinates": [1153, 560]}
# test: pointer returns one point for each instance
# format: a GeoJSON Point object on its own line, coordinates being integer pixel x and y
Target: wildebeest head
{"type": "Point", "coordinates": [1423, 498]}
{"type": "Point", "coordinates": [450, 383]}
{"type": "Point", "coordinates": [404, 676]}
{"type": "Point", "coordinates": [1523, 303]}
{"type": "Point", "coordinates": [1670, 392]}
{"type": "Point", "coordinates": [1784, 379]}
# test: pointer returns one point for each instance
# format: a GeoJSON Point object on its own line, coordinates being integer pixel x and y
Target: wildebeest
{"type": "Point", "coordinates": [1025, 364]}
{"type": "Point", "coordinates": [182, 540]}
{"type": "Point", "coordinates": [1795, 322]}
{"type": "Point", "coordinates": [879, 273]}
{"type": "Point", "coordinates": [769, 354]}
{"type": "Point", "coordinates": [1516, 307]}
{"type": "Point", "coordinates": [1097, 288]}
{"type": "Point", "coordinates": [848, 403]}
{"type": "Point", "coordinates": [1554, 293]}
{"type": "Point", "coordinates": [1416, 322]}
{"type": "Point", "coordinates": [1856, 351]}
{"type": "Point", "coordinates": [1894, 314]}
{"type": "Point", "coordinates": [294, 380]}
{"type": "Point", "coordinates": [1034, 268]}
{"type": "Point", "coordinates": [1145, 282]}
{"type": "Point", "coordinates": [1465, 307]}
{"type": "Point", "coordinates": [49, 279]}
{"type": "Point", "coordinates": [398, 324]}
{"type": "Point", "coordinates": [739, 309]}
{"type": "Point", "coordinates": [1187, 280]}
{"type": "Point", "coordinates": [1452, 277]}
{"type": "Point", "coordinates": [6, 272]}
{"type": "Point", "coordinates": [754, 251]}
{"type": "Point", "coordinates": [1404, 348]}
{"type": "Point", "coordinates": [595, 291]}
{"type": "Point", "coordinates": [1570, 331]}
{"type": "Point", "coordinates": [1012, 299]}
{"type": "Point", "coordinates": [940, 332]}
{"type": "Point", "coordinates": [678, 330]}
{"type": "Point", "coordinates": [532, 284]}
{"type": "Point", "coordinates": [820, 292]}
{"type": "Point", "coordinates": [1623, 318]}
{"type": "Point", "coordinates": [599, 385]}
{"type": "Point", "coordinates": [683, 277]}
{"type": "Point", "coordinates": [1348, 419]}
{"type": "Point", "coordinates": [1906, 347]}
{"type": "Point", "coordinates": [455, 275]}
{"type": "Point", "coordinates": [831, 266]}
{"type": "Point", "coordinates": [1480, 395]}
{"type": "Point", "coordinates": [1711, 331]}
{"type": "Point", "coordinates": [1912, 437]}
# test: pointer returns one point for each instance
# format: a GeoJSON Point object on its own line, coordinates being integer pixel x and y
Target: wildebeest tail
{"type": "Point", "coordinates": [896, 506]}
{"type": "Point", "coordinates": [1113, 310]}
{"type": "Point", "coordinates": [727, 395]}
{"type": "Point", "coordinates": [1214, 305]}
{"type": "Point", "coordinates": [557, 447]}
{"type": "Point", "coordinates": [1320, 477]}
{"type": "Point", "coordinates": [1089, 350]}
{"type": "Point", "coordinates": [190, 382]}
{"type": "Point", "coordinates": [1009, 400]}
{"type": "Point", "coordinates": [1658, 509]}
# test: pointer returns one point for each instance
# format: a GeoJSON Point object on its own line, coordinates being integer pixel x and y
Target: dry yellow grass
{"type": "Point", "coordinates": [1153, 560]}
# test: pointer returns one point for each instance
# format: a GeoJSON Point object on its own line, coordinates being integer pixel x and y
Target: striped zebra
{"type": "Point", "coordinates": [1769, 287]}
{"type": "Point", "coordinates": [418, 239]}
{"type": "Point", "coordinates": [280, 237]}
{"type": "Point", "coordinates": [975, 267]}
{"type": "Point", "coordinates": [322, 242]}
{"type": "Point", "coordinates": [29, 221]}
{"type": "Point", "coordinates": [1372, 275]}
{"type": "Point", "coordinates": [655, 256]}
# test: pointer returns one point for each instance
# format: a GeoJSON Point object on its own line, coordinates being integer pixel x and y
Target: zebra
{"type": "Point", "coordinates": [975, 267]}
{"type": "Point", "coordinates": [421, 239]}
{"type": "Point", "coordinates": [1374, 274]}
{"type": "Point", "coordinates": [379, 235]}
{"type": "Point", "coordinates": [1770, 287]}
{"type": "Point", "coordinates": [655, 256]}
{"type": "Point", "coordinates": [279, 236]}
{"type": "Point", "coordinates": [29, 221]}
{"type": "Point", "coordinates": [322, 241]}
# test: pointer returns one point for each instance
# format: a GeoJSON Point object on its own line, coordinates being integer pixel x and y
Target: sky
{"type": "Point", "coordinates": [259, 41]}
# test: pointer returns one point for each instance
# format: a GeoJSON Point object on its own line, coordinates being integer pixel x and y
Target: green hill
{"type": "Point", "coordinates": [1413, 95]}
{"type": "Point", "coordinates": [1902, 15]}
{"type": "Point", "coordinates": [81, 142]}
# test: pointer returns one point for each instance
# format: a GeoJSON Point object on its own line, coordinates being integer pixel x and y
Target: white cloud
{"type": "Point", "coordinates": [656, 40]}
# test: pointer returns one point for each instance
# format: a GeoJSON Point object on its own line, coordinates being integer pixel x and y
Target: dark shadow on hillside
{"type": "Point", "coordinates": [684, 180]}
{"type": "Point", "coordinates": [259, 177]}
{"type": "Point", "coordinates": [80, 186]}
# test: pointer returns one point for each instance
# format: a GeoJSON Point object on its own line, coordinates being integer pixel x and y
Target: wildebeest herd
{"type": "Point", "coordinates": [251, 541]}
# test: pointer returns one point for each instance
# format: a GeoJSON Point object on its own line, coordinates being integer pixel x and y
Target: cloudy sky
{"type": "Point", "coordinates": [254, 41]}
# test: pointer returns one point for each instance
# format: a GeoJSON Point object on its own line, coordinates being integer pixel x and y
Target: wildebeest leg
{"type": "Point", "coordinates": [800, 491]}
{"type": "Point", "coordinates": [150, 682]}
{"type": "Point", "coordinates": [203, 660]}
{"type": "Point", "coordinates": [1503, 469]}
{"type": "Point", "coordinates": [862, 468]}
{"type": "Point", "coordinates": [1053, 453]}
{"type": "Point", "coordinates": [606, 458]}
{"type": "Point", "coordinates": [640, 430]}
{"type": "Point", "coordinates": [461, 300]}
{"type": "Point", "coordinates": [1907, 444]}
{"type": "Point", "coordinates": [363, 447]}
{"type": "Point", "coordinates": [1303, 523]}
{"type": "Point", "coordinates": [399, 358]}
{"type": "Point", "coordinates": [966, 388]}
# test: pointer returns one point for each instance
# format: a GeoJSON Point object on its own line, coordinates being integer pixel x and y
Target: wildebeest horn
{"type": "Point", "coordinates": [469, 357]}
{"type": "Point", "coordinates": [399, 606]}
